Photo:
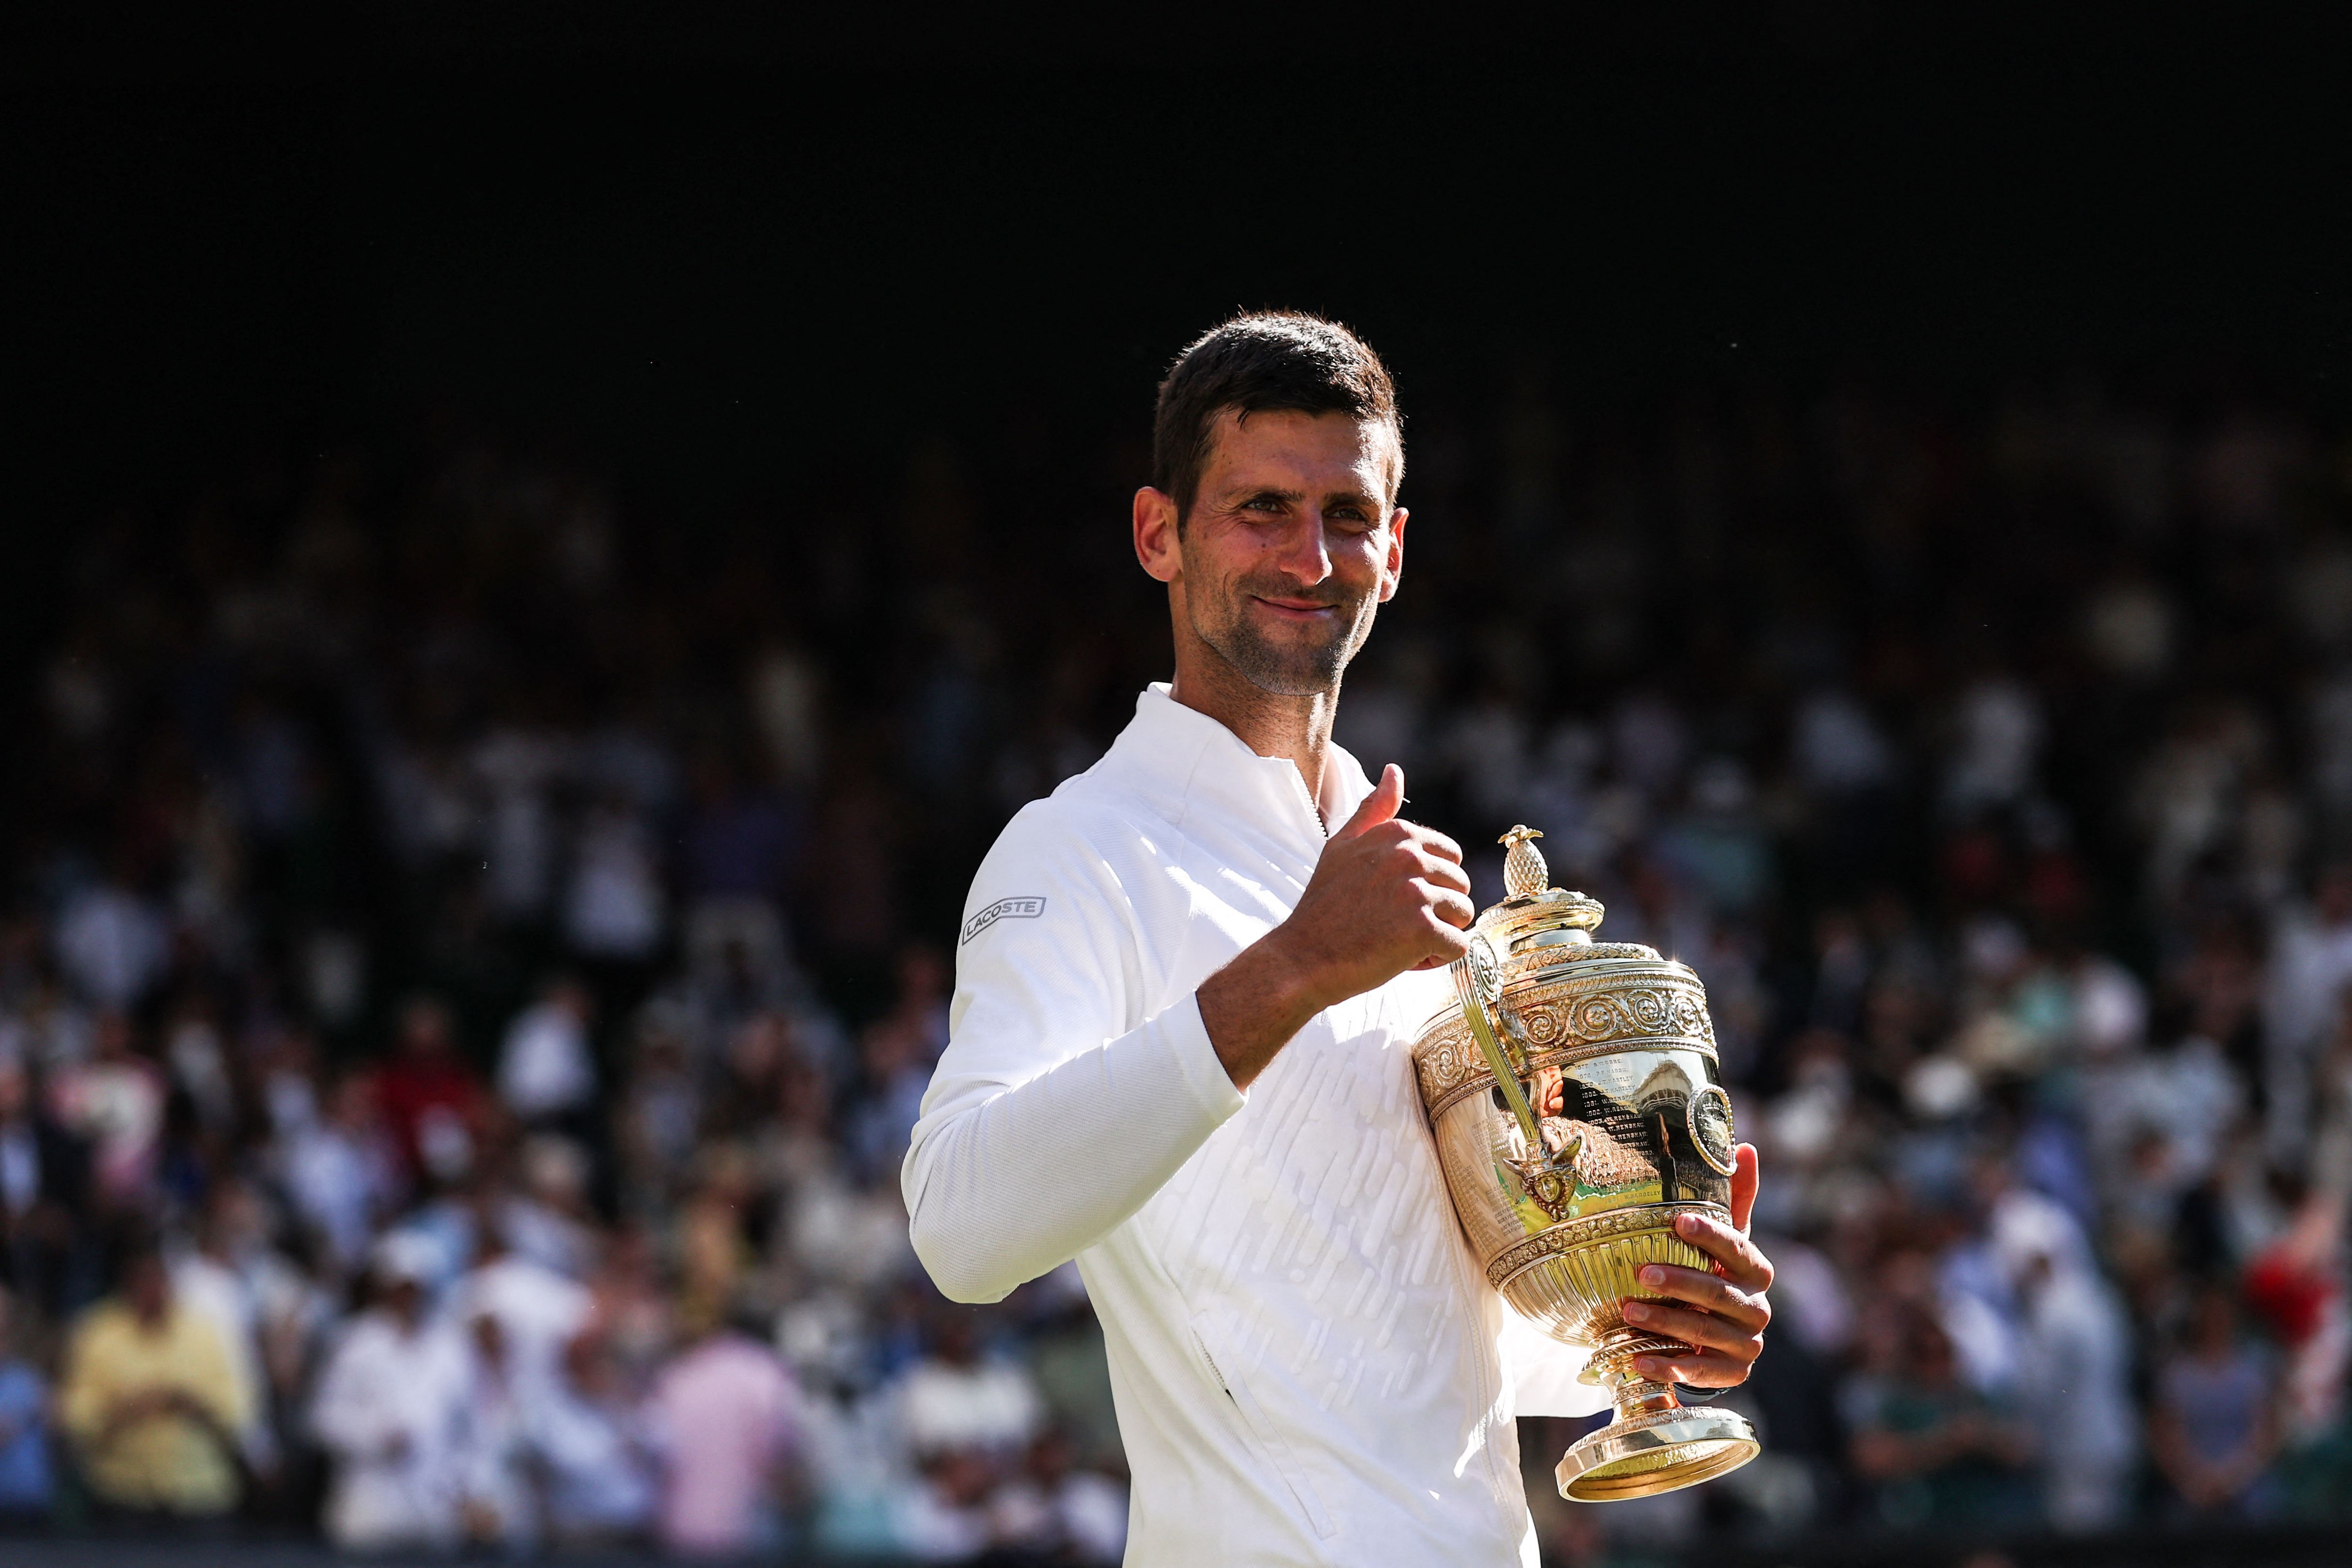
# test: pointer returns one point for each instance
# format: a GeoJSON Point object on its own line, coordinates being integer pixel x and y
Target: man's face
{"type": "Point", "coordinates": [148, 1288]}
{"type": "Point", "coordinates": [1293, 542]}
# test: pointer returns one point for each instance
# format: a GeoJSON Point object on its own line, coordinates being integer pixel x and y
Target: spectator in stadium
{"type": "Point", "coordinates": [430, 1097]}
{"type": "Point", "coordinates": [539, 1309]}
{"type": "Point", "coordinates": [44, 1179]}
{"type": "Point", "coordinates": [600, 1483]}
{"type": "Point", "coordinates": [211, 1279]}
{"type": "Point", "coordinates": [2074, 1371]}
{"type": "Point", "coordinates": [151, 1400]}
{"type": "Point", "coordinates": [340, 1171]}
{"type": "Point", "coordinates": [724, 1424]}
{"type": "Point", "coordinates": [499, 1450]}
{"type": "Point", "coordinates": [26, 1484]}
{"type": "Point", "coordinates": [547, 1070]}
{"type": "Point", "coordinates": [1937, 1452]}
{"type": "Point", "coordinates": [114, 1101]}
{"type": "Point", "coordinates": [2213, 1426]}
{"type": "Point", "coordinates": [956, 1399]}
{"type": "Point", "coordinates": [390, 1402]}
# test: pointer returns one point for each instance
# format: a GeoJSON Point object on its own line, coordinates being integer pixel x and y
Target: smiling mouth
{"type": "Point", "coordinates": [1297, 611]}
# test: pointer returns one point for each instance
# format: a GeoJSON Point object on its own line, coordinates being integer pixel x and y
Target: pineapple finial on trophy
{"type": "Point", "coordinates": [1523, 872]}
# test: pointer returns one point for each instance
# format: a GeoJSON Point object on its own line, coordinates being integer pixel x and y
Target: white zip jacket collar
{"type": "Point", "coordinates": [1307, 1367]}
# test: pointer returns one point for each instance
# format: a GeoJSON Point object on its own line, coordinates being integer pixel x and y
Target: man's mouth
{"type": "Point", "coordinates": [1298, 609]}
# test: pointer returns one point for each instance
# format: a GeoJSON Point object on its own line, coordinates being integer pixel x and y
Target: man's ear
{"type": "Point", "coordinates": [1156, 545]}
{"type": "Point", "coordinates": [1392, 569]}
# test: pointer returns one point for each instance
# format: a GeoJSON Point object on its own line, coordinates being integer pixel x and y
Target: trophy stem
{"type": "Point", "coordinates": [1612, 1364]}
{"type": "Point", "coordinates": [1639, 1397]}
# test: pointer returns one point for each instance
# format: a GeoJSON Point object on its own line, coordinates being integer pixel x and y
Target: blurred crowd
{"type": "Point", "coordinates": [476, 938]}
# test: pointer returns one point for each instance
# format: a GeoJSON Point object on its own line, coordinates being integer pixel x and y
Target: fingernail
{"type": "Point", "coordinates": [1653, 1275]}
{"type": "Point", "coordinates": [1650, 1368]}
{"type": "Point", "coordinates": [1636, 1313]}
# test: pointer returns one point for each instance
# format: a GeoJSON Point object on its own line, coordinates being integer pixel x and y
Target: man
{"type": "Point", "coordinates": [722, 1415]}
{"type": "Point", "coordinates": [27, 1485]}
{"type": "Point", "coordinates": [430, 1097]}
{"type": "Point", "coordinates": [1179, 1052]}
{"type": "Point", "coordinates": [221, 1280]}
{"type": "Point", "coordinates": [547, 1069]}
{"type": "Point", "coordinates": [150, 1399]}
{"type": "Point", "coordinates": [390, 1411]}
{"type": "Point", "coordinates": [43, 1187]}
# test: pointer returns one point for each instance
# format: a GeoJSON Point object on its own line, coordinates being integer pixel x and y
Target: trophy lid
{"type": "Point", "coordinates": [1536, 916]}
{"type": "Point", "coordinates": [1538, 939]}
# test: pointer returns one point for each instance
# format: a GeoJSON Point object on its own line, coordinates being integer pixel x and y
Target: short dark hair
{"type": "Point", "coordinates": [1259, 363]}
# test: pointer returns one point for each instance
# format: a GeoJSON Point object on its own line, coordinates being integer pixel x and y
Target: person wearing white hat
{"type": "Point", "coordinates": [389, 1409]}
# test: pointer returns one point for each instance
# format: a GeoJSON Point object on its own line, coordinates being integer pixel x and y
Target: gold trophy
{"type": "Point", "coordinates": [1565, 1210]}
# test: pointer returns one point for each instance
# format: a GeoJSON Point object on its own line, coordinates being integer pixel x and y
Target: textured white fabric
{"type": "Point", "coordinates": [1307, 1366]}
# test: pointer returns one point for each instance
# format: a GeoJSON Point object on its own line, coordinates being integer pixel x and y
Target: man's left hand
{"type": "Point", "coordinates": [1720, 1315]}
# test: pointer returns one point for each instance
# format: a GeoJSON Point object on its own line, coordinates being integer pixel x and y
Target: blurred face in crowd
{"type": "Point", "coordinates": [147, 1288]}
{"type": "Point", "coordinates": [404, 1299]}
{"type": "Point", "coordinates": [1292, 543]}
{"type": "Point", "coordinates": [111, 1036]}
{"type": "Point", "coordinates": [572, 997]}
{"type": "Point", "coordinates": [2215, 1324]}
{"type": "Point", "coordinates": [424, 1030]}
{"type": "Point", "coordinates": [1930, 1353]}
{"type": "Point", "coordinates": [233, 1223]}
{"type": "Point", "coordinates": [489, 1341]}
{"type": "Point", "coordinates": [351, 1106]}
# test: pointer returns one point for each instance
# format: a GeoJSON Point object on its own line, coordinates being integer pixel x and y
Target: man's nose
{"type": "Point", "coordinates": [1302, 554]}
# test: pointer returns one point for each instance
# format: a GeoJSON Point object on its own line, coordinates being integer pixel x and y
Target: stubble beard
{"type": "Point", "coordinates": [1309, 665]}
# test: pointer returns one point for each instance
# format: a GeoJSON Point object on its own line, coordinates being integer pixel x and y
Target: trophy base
{"type": "Point", "coordinates": [1657, 1444]}
{"type": "Point", "coordinates": [1655, 1451]}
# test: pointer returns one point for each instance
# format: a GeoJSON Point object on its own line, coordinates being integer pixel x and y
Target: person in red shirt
{"type": "Point", "coordinates": [2296, 1284]}
{"type": "Point", "coordinates": [432, 1098]}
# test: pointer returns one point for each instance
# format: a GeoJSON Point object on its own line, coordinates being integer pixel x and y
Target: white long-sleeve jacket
{"type": "Point", "coordinates": [1309, 1366]}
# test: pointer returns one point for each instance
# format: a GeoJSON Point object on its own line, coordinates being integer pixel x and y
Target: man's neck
{"type": "Point", "coordinates": [1296, 728]}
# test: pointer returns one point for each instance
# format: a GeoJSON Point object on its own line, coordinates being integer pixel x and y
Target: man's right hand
{"type": "Point", "coordinates": [1387, 896]}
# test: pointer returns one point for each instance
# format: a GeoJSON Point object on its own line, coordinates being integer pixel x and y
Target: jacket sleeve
{"type": "Point", "coordinates": [1056, 1111]}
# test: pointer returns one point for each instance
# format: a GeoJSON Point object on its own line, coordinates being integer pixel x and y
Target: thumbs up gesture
{"type": "Point", "coordinates": [1387, 896]}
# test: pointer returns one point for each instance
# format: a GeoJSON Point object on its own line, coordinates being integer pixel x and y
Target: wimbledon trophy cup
{"type": "Point", "coordinates": [1564, 1210]}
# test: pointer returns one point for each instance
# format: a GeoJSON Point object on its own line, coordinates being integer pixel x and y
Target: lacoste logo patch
{"type": "Point", "coordinates": [1002, 910]}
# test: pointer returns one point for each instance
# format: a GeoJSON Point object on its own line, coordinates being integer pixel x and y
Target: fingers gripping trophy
{"type": "Point", "coordinates": [1564, 1210]}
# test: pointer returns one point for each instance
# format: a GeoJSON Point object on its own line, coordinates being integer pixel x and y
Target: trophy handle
{"type": "Point", "coordinates": [1548, 1175]}
{"type": "Point", "coordinates": [1478, 985]}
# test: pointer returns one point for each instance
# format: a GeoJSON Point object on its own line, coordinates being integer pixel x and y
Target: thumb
{"type": "Point", "coordinates": [1745, 1172]}
{"type": "Point", "coordinates": [1379, 807]}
